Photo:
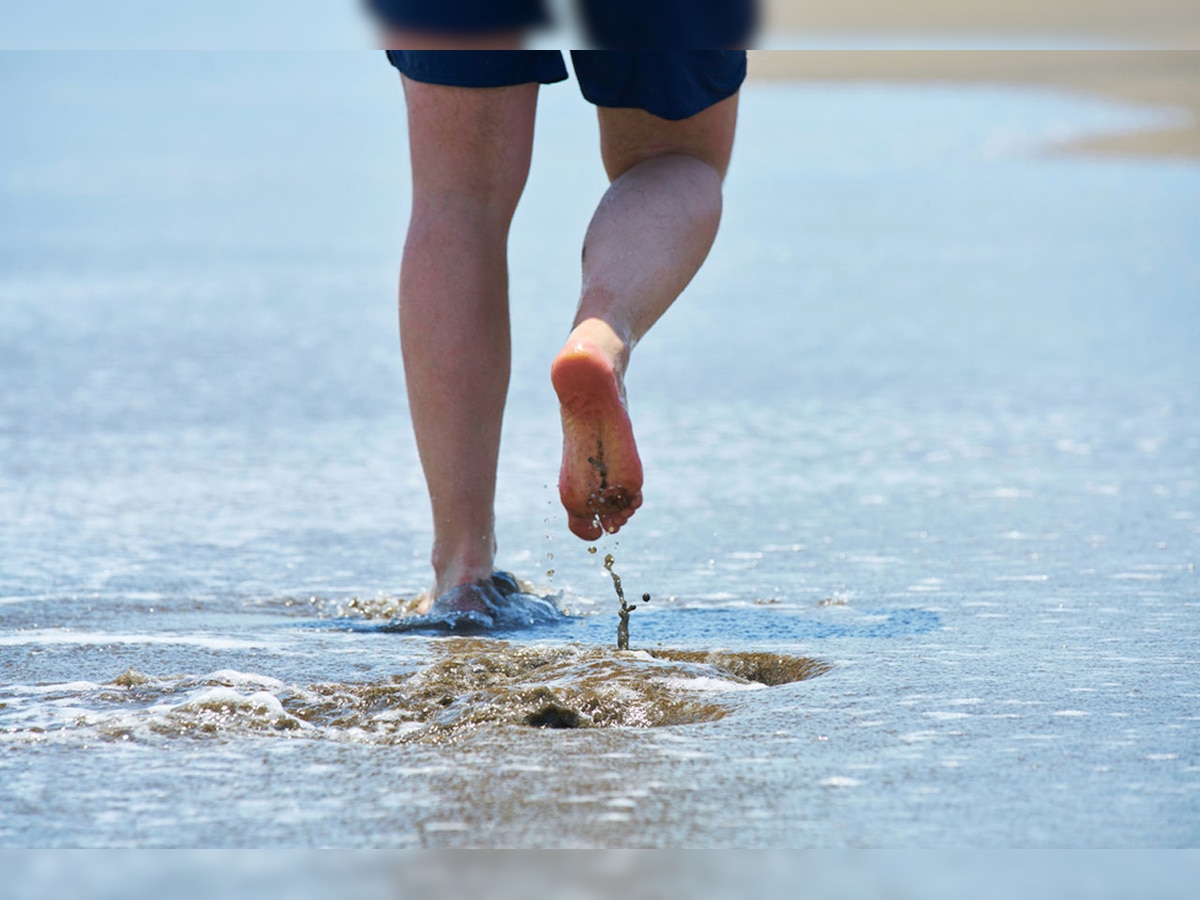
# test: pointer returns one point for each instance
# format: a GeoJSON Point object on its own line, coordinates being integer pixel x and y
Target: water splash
{"type": "Point", "coordinates": [499, 603]}
{"type": "Point", "coordinates": [472, 684]}
{"type": "Point", "coordinates": [626, 609]}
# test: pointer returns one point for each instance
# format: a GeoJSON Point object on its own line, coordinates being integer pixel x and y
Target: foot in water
{"type": "Point", "coordinates": [600, 483]}
{"type": "Point", "coordinates": [477, 603]}
{"type": "Point", "coordinates": [498, 602]}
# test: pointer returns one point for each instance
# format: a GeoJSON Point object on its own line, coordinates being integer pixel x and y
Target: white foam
{"type": "Point", "coordinates": [59, 637]}
{"type": "Point", "coordinates": [220, 698]}
{"type": "Point", "coordinates": [708, 683]}
{"type": "Point", "coordinates": [67, 687]}
{"type": "Point", "coordinates": [446, 826]}
{"type": "Point", "coordinates": [234, 677]}
{"type": "Point", "coordinates": [23, 598]}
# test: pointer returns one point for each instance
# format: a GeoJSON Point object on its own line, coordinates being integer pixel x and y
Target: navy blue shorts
{"type": "Point", "coordinates": [670, 84]}
{"type": "Point", "coordinates": [610, 24]}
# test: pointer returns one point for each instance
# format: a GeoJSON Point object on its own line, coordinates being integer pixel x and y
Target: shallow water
{"type": "Point", "coordinates": [925, 428]}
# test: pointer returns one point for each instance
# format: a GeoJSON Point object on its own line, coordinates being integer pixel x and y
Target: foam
{"type": "Point", "coordinates": [487, 682]}
{"type": "Point", "coordinates": [706, 684]}
{"type": "Point", "coordinates": [63, 637]}
{"type": "Point", "coordinates": [67, 687]}
{"type": "Point", "coordinates": [224, 699]}
{"type": "Point", "coordinates": [234, 677]}
{"type": "Point", "coordinates": [23, 598]}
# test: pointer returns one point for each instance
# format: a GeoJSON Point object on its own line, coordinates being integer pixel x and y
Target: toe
{"type": "Point", "coordinates": [587, 528]}
{"type": "Point", "coordinates": [612, 524]}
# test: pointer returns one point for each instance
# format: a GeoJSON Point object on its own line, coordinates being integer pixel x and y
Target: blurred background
{"type": "Point", "coordinates": [602, 875]}
{"type": "Point", "coordinates": [798, 24]}
{"type": "Point", "coordinates": [1097, 46]}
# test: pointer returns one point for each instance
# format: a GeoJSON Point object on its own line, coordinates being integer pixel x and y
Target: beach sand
{"type": "Point", "coordinates": [1155, 23]}
{"type": "Point", "coordinates": [1167, 76]}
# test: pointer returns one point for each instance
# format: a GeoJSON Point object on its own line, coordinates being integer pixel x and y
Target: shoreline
{"type": "Point", "coordinates": [1168, 79]}
{"type": "Point", "coordinates": [1164, 78]}
{"type": "Point", "coordinates": [1142, 23]}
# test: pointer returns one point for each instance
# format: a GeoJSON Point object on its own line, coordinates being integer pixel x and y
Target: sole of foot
{"type": "Point", "coordinates": [600, 483]}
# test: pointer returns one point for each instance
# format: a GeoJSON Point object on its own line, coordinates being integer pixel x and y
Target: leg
{"type": "Point", "coordinates": [649, 236]}
{"type": "Point", "coordinates": [470, 150]}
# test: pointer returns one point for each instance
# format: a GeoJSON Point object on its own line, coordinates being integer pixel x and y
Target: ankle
{"type": "Point", "coordinates": [598, 334]}
{"type": "Point", "coordinates": [464, 566]}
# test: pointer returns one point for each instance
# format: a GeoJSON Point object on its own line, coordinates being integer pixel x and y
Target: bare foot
{"type": "Point", "coordinates": [600, 483]}
{"type": "Point", "coordinates": [479, 595]}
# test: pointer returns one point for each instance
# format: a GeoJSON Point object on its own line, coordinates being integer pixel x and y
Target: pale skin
{"type": "Point", "coordinates": [470, 150]}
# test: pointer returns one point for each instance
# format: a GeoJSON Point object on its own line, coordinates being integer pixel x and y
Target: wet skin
{"type": "Point", "coordinates": [600, 483]}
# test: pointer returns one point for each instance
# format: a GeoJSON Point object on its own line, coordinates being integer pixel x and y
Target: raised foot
{"type": "Point", "coordinates": [600, 483]}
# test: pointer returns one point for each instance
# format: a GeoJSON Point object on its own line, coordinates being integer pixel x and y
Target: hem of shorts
{"type": "Point", "coordinates": [448, 79]}
{"type": "Point", "coordinates": [467, 83]}
{"type": "Point", "coordinates": [709, 103]}
{"type": "Point", "coordinates": [450, 25]}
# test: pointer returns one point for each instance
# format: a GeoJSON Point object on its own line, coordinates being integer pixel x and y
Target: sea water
{"type": "Point", "coordinates": [922, 436]}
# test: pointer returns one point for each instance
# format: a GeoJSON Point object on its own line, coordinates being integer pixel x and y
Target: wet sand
{"type": "Point", "coordinates": [1165, 77]}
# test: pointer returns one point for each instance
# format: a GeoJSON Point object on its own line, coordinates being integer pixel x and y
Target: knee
{"type": "Point", "coordinates": [629, 137]}
{"type": "Point", "coordinates": [470, 148]}
{"type": "Point", "coordinates": [485, 210]}
{"type": "Point", "coordinates": [469, 186]}
{"type": "Point", "coordinates": [447, 223]}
